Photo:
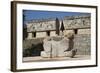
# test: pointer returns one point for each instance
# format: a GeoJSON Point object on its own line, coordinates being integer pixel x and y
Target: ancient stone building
{"type": "Point", "coordinates": [80, 26]}
{"type": "Point", "coordinates": [47, 27]}
{"type": "Point", "coordinates": [41, 28]}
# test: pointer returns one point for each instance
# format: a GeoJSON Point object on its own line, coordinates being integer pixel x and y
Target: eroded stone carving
{"type": "Point", "coordinates": [57, 48]}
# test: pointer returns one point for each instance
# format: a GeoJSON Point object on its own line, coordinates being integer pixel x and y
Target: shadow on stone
{"type": "Point", "coordinates": [35, 50]}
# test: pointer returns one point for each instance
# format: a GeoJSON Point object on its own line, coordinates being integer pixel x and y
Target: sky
{"type": "Point", "coordinates": [34, 14]}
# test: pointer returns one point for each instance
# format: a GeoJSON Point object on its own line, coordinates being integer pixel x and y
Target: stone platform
{"type": "Point", "coordinates": [41, 59]}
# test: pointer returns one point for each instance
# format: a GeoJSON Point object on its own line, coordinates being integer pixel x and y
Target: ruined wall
{"type": "Point", "coordinates": [79, 25]}
{"type": "Point", "coordinates": [84, 31]}
{"type": "Point", "coordinates": [77, 22]}
{"type": "Point", "coordinates": [42, 25]}
{"type": "Point", "coordinates": [82, 42]}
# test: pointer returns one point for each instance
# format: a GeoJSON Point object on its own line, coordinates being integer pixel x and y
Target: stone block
{"type": "Point", "coordinates": [45, 54]}
{"type": "Point", "coordinates": [53, 33]}
{"type": "Point", "coordinates": [84, 31]}
{"type": "Point", "coordinates": [40, 34]}
{"type": "Point", "coordinates": [68, 53]}
{"type": "Point", "coordinates": [47, 44]}
{"type": "Point", "coordinates": [29, 36]}
{"type": "Point", "coordinates": [55, 48]}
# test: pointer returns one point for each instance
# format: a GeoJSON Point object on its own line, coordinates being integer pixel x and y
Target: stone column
{"type": "Point", "coordinates": [29, 35]}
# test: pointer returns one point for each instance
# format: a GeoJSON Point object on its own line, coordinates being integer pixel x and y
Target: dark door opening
{"type": "Point", "coordinates": [75, 31]}
{"type": "Point", "coordinates": [34, 34]}
{"type": "Point", "coordinates": [48, 33]}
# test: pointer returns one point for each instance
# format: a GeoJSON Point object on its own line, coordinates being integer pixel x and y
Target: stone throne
{"type": "Point", "coordinates": [57, 47]}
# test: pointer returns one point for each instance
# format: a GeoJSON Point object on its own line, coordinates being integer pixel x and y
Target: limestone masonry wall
{"type": "Point", "coordinates": [80, 26]}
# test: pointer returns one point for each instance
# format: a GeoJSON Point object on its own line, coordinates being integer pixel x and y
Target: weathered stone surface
{"type": "Point", "coordinates": [41, 26]}
{"type": "Point", "coordinates": [27, 44]}
{"type": "Point", "coordinates": [47, 45]}
{"type": "Point", "coordinates": [84, 31]}
{"type": "Point", "coordinates": [70, 22]}
{"type": "Point", "coordinates": [29, 36]}
{"type": "Point", "coordinates": [41, 35]}
{"type": "Point", "coordinates": [82, 40]}
{"type": "Point", "coordinates": [55, 48]}
{"type": "Point", "coordinates": [45, 54]}
{"type": "Point", "coordinates": [82, 43]}
{"type": "Point", "coordinates": [70, 53]}
{"type": "Point", "coordinates": [52, 33]}
{"type": "Point", "coordinates": [77, 22]}
{"type": "Point", "coordinates": [66, 32]}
